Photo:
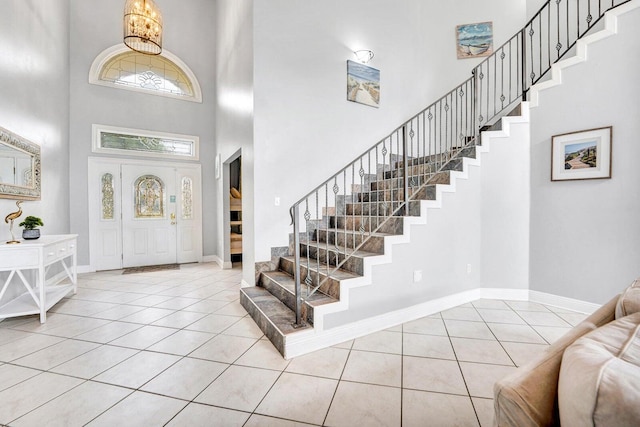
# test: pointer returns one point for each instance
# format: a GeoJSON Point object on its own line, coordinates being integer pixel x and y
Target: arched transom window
{"type": "Point", "coordinates": [163, 75]}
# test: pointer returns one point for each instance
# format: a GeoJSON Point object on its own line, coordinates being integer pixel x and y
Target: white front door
{"type": "Point", "coordinates": [144, 213]}
{"type": "Point", "coordinates": [148, 215]}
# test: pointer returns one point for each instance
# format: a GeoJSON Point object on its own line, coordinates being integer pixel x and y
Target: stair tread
{"type": "Point", "coordinates": [341, 249]}
{"type": "Point", "coordinates": [366, 233]}
{"type": "Point", "coordinates": [286, 281]}
{"type": "Point", "coordinates": [282, 317]}
{"type": "Point", "coordinates": [339, 274]}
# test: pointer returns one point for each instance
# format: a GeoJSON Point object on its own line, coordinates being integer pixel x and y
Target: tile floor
{"type": "Point", "coordinates": [176, 348]}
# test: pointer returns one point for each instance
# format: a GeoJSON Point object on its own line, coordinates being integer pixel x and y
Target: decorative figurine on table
{"type": "Point", "coordinates": [10, 218]}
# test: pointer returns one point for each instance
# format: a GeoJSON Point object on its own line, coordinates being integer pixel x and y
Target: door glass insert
{"type": "Point", "coordinates": [107, 196]}
{"type": "Point", "coordinates": [149, 197]}
{"type": "Point", "coordinates": [187, 198]}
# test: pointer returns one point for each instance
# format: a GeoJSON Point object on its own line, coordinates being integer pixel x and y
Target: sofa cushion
{"type": "Point", "coordinates": [629, 301]}
{"type": "Point", "coordinates": [528, 396]}
{"type": "Point", "coordinates": [599, 380]}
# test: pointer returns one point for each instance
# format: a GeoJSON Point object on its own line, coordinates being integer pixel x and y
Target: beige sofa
{"type": "Point", "coordinates": [597, 384]}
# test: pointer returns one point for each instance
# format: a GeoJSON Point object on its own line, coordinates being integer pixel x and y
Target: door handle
{"type": "Point", "coordinates": [173, 219]}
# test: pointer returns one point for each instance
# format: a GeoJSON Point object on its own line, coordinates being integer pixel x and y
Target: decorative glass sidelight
{"type": "Point", "coordinates": [149, 197]}
{"type": "Point", "coordinates": [187, 198]}
{"type": "Point", "coordinates": [107, 196]}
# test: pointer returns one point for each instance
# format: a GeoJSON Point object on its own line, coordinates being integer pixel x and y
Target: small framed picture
{"type": "Point", "coordinates": [585, 154]}
{"type": "Point", "coordinates": [474, 40]}
{"type": "Point", "coordinates": [363, 84]}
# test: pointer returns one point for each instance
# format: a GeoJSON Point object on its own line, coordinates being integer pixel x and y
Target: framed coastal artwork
{"type": "Point", "coordinates": [474, 40]}
{"type": "Point", "coordinates": [363, 84]}
{"type": "Point", "coordinates": [584, 154]}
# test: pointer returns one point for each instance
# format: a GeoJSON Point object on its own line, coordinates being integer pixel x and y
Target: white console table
{"type": "Point", "coordinates": [38, 255]}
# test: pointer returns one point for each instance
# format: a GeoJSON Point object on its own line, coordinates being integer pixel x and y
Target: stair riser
{"type": "Point", "coordinates": [375, 196]}
{"type": "Point", "coordinates": [398, 183]}
{"type": "Point", "coordinates": [286, 297]}
{"type": "Point", "coordinates": [393, 225]}
{"type": "Point", "coordinates": [275, 336]}
{"type": "Point", "coordinates": [413, 170]}
{"type": "Point", "coordinates": [352, 239]}
{"type": "Point", "coordinates": [378, 209]}
{"type": "Point", "coordinates": [330, 287]}
{"type": "Point", "coordinates": [354, 264]}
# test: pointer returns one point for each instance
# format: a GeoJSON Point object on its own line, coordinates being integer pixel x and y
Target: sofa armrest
{"type": "Point", "coordinates": [529, 396]}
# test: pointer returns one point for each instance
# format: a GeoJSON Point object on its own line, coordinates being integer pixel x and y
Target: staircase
{"type": "Point", "coordinates": [352, 219]}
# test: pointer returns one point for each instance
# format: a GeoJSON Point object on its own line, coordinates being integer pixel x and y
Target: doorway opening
{"type": "Point", "coordinates": [235, 210]}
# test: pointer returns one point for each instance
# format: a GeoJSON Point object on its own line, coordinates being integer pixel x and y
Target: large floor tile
{"type": "Point", "coordinates": [11, 375]}
{"type": "Point", "coordinates": [138, 369]}
{"type": "Point", "coordinates": [484, 410]}
{"type": "Point", "coordinates": [526, 306]}
{"type": "Point", "coordinates": [521, 353]}
{"type": "Point", "coordinates": [490, 315]}
{"type": "Point", "coordinates": [383, 342]}
{"type": "Point", "coordinates": [426, 325]}
{"type": "Point", "coordinates": [263, 355]}
{"type": "Point", "coordinates": [118, 312]}
{"type": "Point", "coordinates": [365, 405]}
{"type": "Point", "coordinates": [428, 346]}
{"type": "Point", "coordinates": [28, 395]}
{"type": "Point", "coordinates": [481, 351]}
{"type": "Point", "coordinates": [551, 333]}
{"type": "Point", "coordinates": [516, 333]}
{"type": "Point", "coordinates": [213, 323]}
{"type": "Point", "coordinates": [76, 407]}
{"type": "Point", "coordinates": [257, 420]}
{"type": "Point", "coordinates": [327, 363]}
{"type": "Point", "coordinates": [232, 309]}
{"type": "Point", "coordinates": [491, 303]}
{"type": "Point", "coordinates": [206, 306]}
{"type": "Point", "coordinates": [480, 377]}
{"type": "Point", "coordinates": [224, 348]}
{"type": "Point", "coordinates": [95, 361]}
{"type": "Point", "coordinates": [177, 303]}
{"type": "Point", "coordinates": [374, 368]}
{"type": "Point", "coordinates": [108, 332]}
{"type": "Point", "coordinates": [467, 329]}
{"type": "Point", "coordinates": [140, 409]}
{"type": "Point", "coordinates": [462, 313]}
{"type": "Point", "coordinates": [182, 342]}
{"type": "Point", "coordinates": [538, 318]}
{"type": "Point", "coordinates": [421, 408]}
{"type": "Point", "coordinates": [144, 337]}
{"type": "Point", "coordinates": [239, 387]}
{"type": "Point", "coordinates": [148, 315]}
{"type": "Point", "coordinates": [245, 327]}
{"type": "Point", "coordinates": [299, 398]}
{"type": "Point", "coordinates": [179, 319]}
{"type": "Point", "coordinates": [76, 328]}
{"type": "Point", "coordinates": [25, 346]}
{"type": "Point", "coordinates": [441, 376]}
{"type": "Point", "coordinates": [186, 379]}
{"type": "Point", "coordinates": [197, 415]}
{"type": "Point", "coordinates": [56, 354]}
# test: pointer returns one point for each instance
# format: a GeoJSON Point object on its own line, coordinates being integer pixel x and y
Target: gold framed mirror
{"type": "Point", "coordinates": [19, 167]}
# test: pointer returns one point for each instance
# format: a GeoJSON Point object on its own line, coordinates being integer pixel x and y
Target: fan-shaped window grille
{"type": "Point", "coordinates": [161, 74]}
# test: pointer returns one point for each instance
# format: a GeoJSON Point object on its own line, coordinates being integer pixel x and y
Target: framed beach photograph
{"type": "Point", "coordinates": [584, 154]}
{"type": "Point", "coordinates": [363, 84]}
{"type": "Point", "coordinates": [474, 40]}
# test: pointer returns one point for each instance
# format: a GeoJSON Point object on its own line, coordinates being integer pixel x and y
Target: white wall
{"type": "Point", "coordinates": [34, 101]}
{"type": "Point", "coordinates": [302, 117]}
{"type": "Point", "coordinates": [189, 34]}
{"type": "Point", "coordinates": [234, 116]}
{"type": "Point", "coordinates": [585, 234]}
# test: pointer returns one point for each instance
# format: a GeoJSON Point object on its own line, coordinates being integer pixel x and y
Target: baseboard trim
{"type": "Point", "coordinates": [300, 344]}
{"type": "Point", "coordinates": [81, 269]}
{"type": "Point", "coordinates": [215, 258]}
{"type": "Point", "coordinates": [563, 302]}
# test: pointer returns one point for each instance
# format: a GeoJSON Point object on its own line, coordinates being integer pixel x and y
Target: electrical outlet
{"type": "Point", "coordinates": [277, 201]}
{"type": "Point", "coordinates": [468, 268]}
{"type": "Point", "coordinates": [417, 276]}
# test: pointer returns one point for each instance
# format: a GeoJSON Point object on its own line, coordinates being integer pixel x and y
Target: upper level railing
{"type": "Point", "coordinates": [342, 214]}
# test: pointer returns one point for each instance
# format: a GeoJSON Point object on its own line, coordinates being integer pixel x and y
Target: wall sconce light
{"type": "Point", "coordinates": [363, 55]}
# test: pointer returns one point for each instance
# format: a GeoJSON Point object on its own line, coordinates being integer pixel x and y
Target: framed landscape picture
{"type": "Point", "coordinates": [584, 154]}
{"type": "Point", "coordinates": [474, 40]}
{"type": "Point", "coordinates": [363, 84]}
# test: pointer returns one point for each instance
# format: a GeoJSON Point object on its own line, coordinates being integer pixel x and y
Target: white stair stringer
{"type": "Point", "coordinates": [610, 28]}
{"type": "Point", "coordinates": [306, 341]}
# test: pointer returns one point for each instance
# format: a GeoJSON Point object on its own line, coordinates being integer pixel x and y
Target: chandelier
{"type": "Point", "coordinates": [143, 26]}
